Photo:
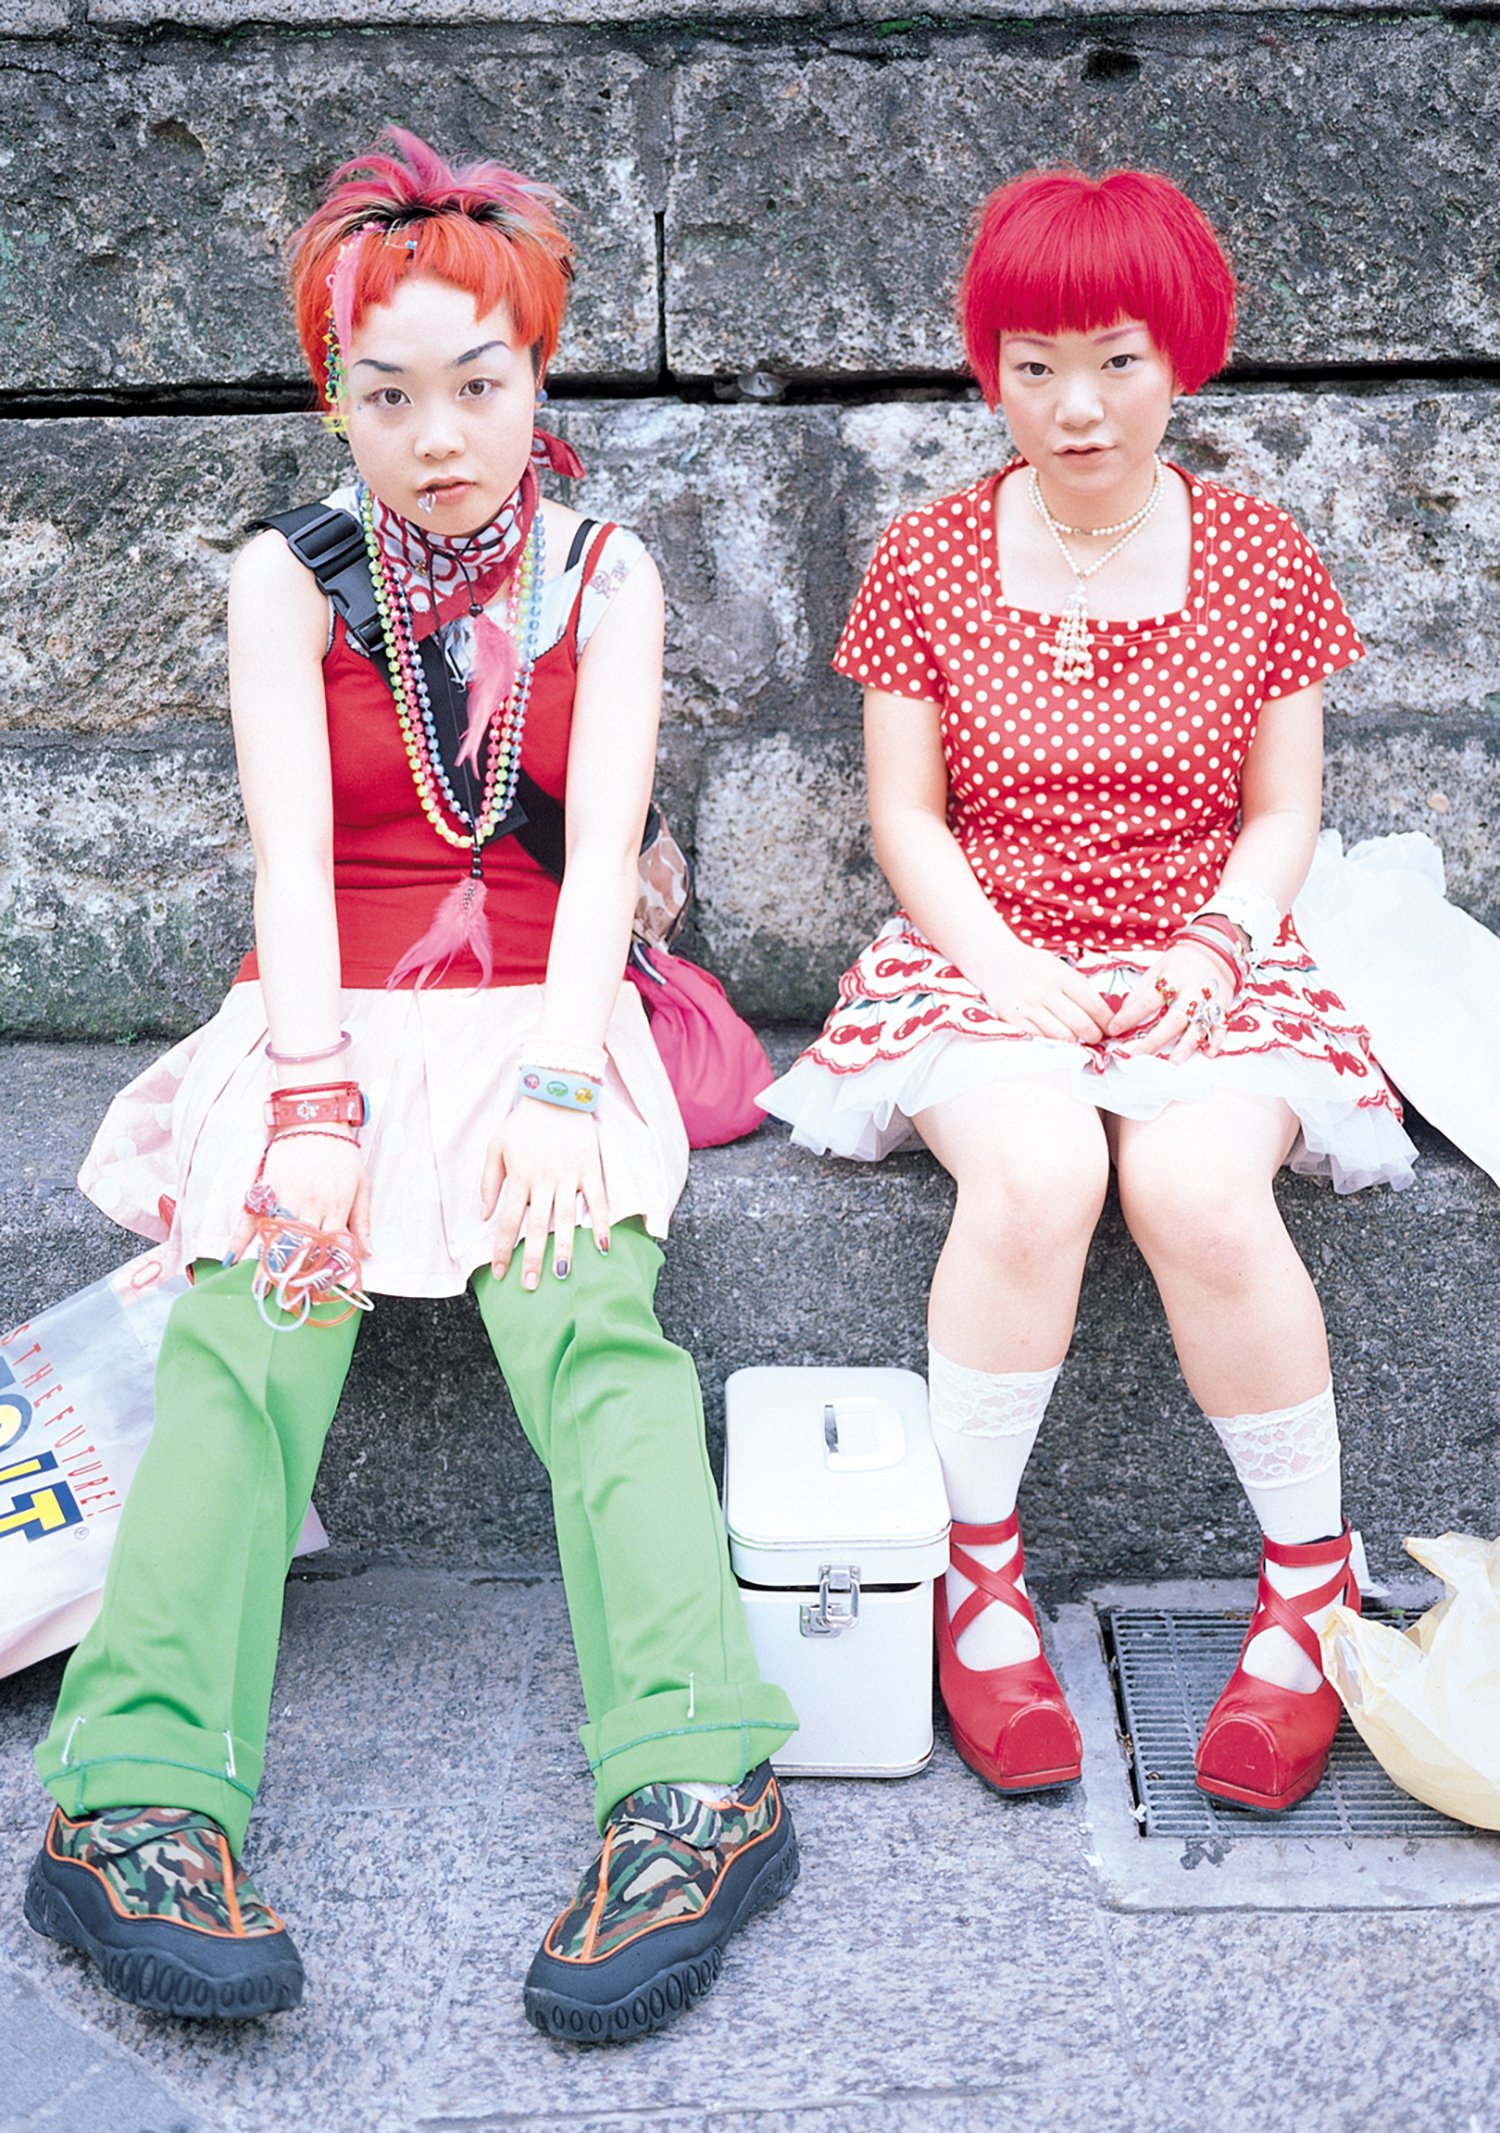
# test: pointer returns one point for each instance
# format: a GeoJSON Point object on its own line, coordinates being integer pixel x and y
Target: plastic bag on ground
{"type": "Point", "coordinates": [1426, 1700]}
{"type": "Point", "coordinates": [76, 1409]}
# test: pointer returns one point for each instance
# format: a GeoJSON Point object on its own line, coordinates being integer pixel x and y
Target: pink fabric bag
{"type": "Point", "coordinates": [714, 1060]}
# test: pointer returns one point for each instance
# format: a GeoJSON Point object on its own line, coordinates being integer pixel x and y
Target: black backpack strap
{"type": "Point", "coordinates": [580, 542]}
{"type": "Point", "coordinates": [331, 544]}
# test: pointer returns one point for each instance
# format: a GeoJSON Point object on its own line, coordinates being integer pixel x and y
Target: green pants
{"type": "Point", "coordinates": [165, 1702]}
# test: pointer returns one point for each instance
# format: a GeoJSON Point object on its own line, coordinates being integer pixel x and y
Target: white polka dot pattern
{"type": "Point", "coordinates": [1097, 815]}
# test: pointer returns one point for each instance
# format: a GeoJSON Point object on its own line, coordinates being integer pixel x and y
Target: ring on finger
{"type": "Point", "coordinates": [1204, 1015]}
{"type": "Point", "coordinates": [1167, 994]}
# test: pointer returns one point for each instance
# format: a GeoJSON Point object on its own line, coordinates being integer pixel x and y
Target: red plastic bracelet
{"type": "Point", "coordinates": [1202, 940]}
{"type": "Point", "coordinates": [328, 1103]}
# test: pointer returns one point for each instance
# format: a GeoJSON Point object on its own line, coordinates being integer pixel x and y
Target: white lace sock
{"type": "Point", "coordinates": [1287, 1462]}
{"type": "Point", "coordinates": [984, 1423]}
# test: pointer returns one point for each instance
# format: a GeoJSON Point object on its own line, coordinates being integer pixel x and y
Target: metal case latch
{"type": "Point", "coordinates": [837, 1607]}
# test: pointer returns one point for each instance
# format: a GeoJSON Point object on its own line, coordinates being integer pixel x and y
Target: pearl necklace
{"type": "Point", "coordinates": [1073, 654]}
{"type": "Point", "coordinates": [414, 704]}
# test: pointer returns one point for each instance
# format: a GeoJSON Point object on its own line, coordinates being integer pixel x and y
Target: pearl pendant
{"type": "Point", "coordinates": [1073, 654]}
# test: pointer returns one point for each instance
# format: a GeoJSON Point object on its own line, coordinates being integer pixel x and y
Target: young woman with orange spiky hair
{"type": "Point", "coordinates": [429, 1075]}
{"type": "Point", "coordinates": [1093, 712]}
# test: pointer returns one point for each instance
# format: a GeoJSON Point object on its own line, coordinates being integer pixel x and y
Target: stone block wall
{"type": "Point", "coordinates": [759, 369]}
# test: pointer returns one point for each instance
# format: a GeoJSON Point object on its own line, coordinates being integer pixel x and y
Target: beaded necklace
{"type": "Point", "coordinates": [1073, 653]}
{"type": "Point", "coordinates": [414, 704]}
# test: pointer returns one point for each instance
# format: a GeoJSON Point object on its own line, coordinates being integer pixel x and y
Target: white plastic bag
{"type": "Point", "coordinates": [76, 1408]}
{"type": "Point", "coordinates": [1421, 975]}
{"type": "Point", "coordinates": [1426, 1701]}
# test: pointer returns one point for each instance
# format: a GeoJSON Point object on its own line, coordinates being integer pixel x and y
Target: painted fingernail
{"type": "Point", "coordinates": [604, 1244]}
{"type": "Point", "coordinates": [561, 1269]}
{"type": "Point", "coordinates": [227, 1260]}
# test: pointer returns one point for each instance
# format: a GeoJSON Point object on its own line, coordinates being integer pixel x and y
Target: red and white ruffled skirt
{"type": "Point", "coordinates": [910, 1031]}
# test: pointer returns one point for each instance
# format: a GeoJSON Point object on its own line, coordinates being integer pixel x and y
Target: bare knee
{"type": "Point", "coordinates": [1032, 1208]}
{"type": "Point", "coordinates": [1214, 1221]}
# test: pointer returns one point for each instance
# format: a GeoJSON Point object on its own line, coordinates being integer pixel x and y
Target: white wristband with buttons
{"type": "Point", "coordinates": [1257, 914]}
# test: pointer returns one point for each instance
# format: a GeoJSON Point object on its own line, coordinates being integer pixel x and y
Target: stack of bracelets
{"type": "Point", "coordinates": [1223, 937]}
{"type": "Point", "coordinates": [298, 1265]}
{"type": "Point", "coordinates": [572, 1087]}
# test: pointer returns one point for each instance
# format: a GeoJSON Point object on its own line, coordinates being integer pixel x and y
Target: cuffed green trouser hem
{"type": "Point", "coordinates": [186, 1638]}
{"type": "Point", "coordinates": [711, 1736]}
{"type": "Point", "coordinates": [165, 1701]}
{"type": "Point", "coordinates": [612, 1408]}
{"type": "Point", "coordinates": [156, 1761]}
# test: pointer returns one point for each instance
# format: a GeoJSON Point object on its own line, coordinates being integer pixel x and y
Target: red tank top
{"type": "Point", "coordinates": [391, 869]}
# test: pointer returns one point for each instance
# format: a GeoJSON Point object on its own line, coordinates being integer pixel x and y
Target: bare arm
{"type": "Point", "coordinates": [611, 763]}
{"type": "Point", "coordinates": [543, 1158]}
{"type": "Point", "coordinates": [278, 622]}
{"type": "Point", "coordinates": [1281, 798]}
{"type": "Point", "coordinates": [1281, 806]}
{"type": "Point", "coordinates": [924, 864]}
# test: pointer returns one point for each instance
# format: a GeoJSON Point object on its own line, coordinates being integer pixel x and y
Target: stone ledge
{"type": "Point", "coordinates": [123, 892]}
{"type": "Point", "coordinates": [1365, 234]}
{"type": "Point", "coordinates": [125, 897]}
{"type": "Point", "coordinates": [152, 189]}
{"type": "Point", "coordinates": [549, 14]}
{"type": "Point", "coordinates": [779, 1257]}
{"type": "Point", "coordinates": [146, 512]}
{"type": "Point", "coordinates": [34, 18]}
{"type": "Point", "coordinates": [395, 14]}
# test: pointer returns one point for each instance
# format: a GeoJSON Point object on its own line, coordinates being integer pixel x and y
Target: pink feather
{"type": "Point", "coordinates": [490, 683]}
{"type": "Point", "coordinates": [460, 928]}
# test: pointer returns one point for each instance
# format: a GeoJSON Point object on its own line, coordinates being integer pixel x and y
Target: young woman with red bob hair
{"type": "Point", "coordinates": [429, 1075]}
{"type": "Point", "coordinates": [1093, 710]}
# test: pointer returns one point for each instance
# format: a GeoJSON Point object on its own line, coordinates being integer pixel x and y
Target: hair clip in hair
{"type": "Point", "coordinates": [333, 381]}
{"type": "Point", "coordinates": [411, 245]}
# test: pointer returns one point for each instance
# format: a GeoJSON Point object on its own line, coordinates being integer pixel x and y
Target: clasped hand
{"type": "Point", "coordinates": [543, 1160]}
{"type": "Point", "coordinates": [1040, 991]}
{"type": "Point", "coordinates": [1181, 991]}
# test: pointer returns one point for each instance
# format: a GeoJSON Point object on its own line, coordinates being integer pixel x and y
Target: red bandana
{"type": "Point", "coordinates": [446, 578]}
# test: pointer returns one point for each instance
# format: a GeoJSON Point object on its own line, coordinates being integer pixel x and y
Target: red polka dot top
{"type": "Point", "coordinates": [1096, 815]}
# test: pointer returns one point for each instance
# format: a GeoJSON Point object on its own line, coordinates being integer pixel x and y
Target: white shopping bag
{"type": "Point", "coordinates": [76, 1408]}
{"type": "Point", "coordinates": [1426, 1701]}
{"type": "Point", "coordinates": [1421, 975]}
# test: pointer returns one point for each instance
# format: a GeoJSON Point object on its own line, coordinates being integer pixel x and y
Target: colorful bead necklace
{"type": "Point", "coordinates": [414, 704]}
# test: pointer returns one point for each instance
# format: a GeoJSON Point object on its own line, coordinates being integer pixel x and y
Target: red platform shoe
{"type": "Point", "coordinates": [1266, 1747]}
{"type": "Point", "coordinates": [1010, 1723]}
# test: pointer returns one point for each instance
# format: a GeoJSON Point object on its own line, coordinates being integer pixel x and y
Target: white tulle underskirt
{"type": "Point", "coordinates": [868, 1114]}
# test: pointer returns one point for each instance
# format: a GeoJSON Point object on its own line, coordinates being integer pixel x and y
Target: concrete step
{"type": "Point", "coordinates": [778, 1257]}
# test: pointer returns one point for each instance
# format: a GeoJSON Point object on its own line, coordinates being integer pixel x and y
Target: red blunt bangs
{"type": "Point", "coordinates": [489, 231]}
{"type": "Point", "coordinates": [1058, 252]}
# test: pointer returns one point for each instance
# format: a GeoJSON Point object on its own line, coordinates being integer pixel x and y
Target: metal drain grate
{"type": "Point", "coordinates": [1169, 1666]}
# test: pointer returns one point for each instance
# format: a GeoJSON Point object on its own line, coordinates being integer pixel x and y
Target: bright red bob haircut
{"type": "Point", "coordinates": [487, 230]}
{"type": "Point", "coordinates": [1058, 252]}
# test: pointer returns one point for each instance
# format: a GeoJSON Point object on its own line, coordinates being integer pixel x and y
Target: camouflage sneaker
{"type": "Point", "coordinates": [154, 1896]}
{"type": "Point", "coordinates": [645, 1935]}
